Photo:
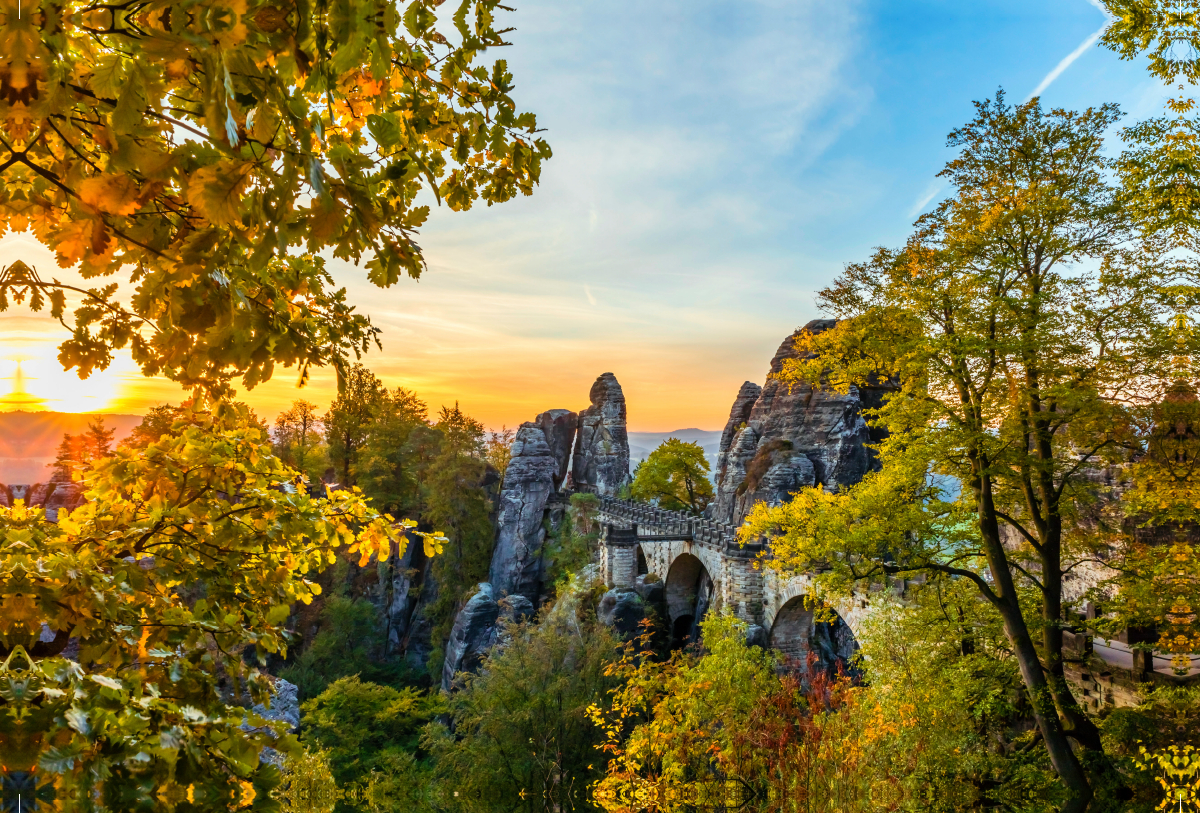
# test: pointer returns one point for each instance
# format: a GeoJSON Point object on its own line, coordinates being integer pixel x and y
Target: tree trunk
{"type": "Point", "coordinates": [1077, 725]}
{"type": "Point", "coordinates": [1045, 713]}
{"type": "Point", "coordinates": [1041, 697]}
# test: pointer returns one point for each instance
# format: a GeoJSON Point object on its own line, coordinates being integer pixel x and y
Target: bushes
{"type": "Point", "coordinates": [348, 643]}
{"type": "Point", "coordinates": [368, 731]}
{"type": "Point", "coordinates": [521, 733]}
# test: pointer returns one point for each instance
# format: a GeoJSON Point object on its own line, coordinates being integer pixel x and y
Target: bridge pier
{"type": "Point", "coordinates": [618, 556]}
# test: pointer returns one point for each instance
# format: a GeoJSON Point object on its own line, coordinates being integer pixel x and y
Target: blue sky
{"type": "Point", "coordinates": [715, 164]}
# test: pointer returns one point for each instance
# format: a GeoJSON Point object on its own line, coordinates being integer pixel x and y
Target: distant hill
{"type": "Point", "coordinates": [641, 444]}
{"type": "Point", "coordinates": [29, 440]}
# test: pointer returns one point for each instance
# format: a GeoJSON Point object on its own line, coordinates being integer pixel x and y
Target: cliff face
{"type": "Point", "coordinates": [601, 462]}
{"type": "Point", "coordinates": [531, 504]}
{"type": "Point", "coordinates": [531, 478]}
{"type": "Point", "coordinates": [779, 441]}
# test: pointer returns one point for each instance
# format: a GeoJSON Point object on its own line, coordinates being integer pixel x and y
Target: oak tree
{"type": "Point", "coordinates": [196, 161]}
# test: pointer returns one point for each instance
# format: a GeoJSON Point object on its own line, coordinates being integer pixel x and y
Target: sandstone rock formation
{"type": "Point", "coordinates": [601, 462]}
{"type": "Point", "coordinates": [622, 609]}
{"type": "Point", "coordinates": [520, 533]}
{"type": "Point", "coordinates": [52, 496]}
{"type": "Point", "coordinates": [558, 426]}
{"type": "Point", "coordinates": [477, 629]}
{"type": "Point", "coordinates": [784, 440]}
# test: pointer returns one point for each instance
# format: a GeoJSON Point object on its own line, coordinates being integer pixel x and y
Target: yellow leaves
{"type": "Point", "coordinates": [111, 194]}
{"type": "Point", "coordinates": [178, 68]}
{"type": "Point", "coordinates": [216, 190]}
{"type": "Point", "coordinates": [77, 238]}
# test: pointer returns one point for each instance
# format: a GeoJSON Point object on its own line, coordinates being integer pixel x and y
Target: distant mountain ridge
{"type": "Point", "coordinates": [29, 440]}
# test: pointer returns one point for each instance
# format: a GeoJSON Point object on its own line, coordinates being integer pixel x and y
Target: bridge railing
{"type": "Point", "coordinates": [655, 521]}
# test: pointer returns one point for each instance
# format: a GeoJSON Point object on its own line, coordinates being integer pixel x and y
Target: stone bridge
{"type": "Point", "coordinates": [704, 568]}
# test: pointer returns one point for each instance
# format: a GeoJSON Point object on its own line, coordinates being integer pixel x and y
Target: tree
{"type": "Point", "coordinates": [78, 454]}
{"type": "Point", "coordinates": [675, 475]}
{"type": "Point", "coordinates": [458, 504]}
{"type": "Point", "coordinates": [348, 421]}
{"type": "Point", "coordinates": [366, 727]}
{"type": "Point", "coordinates": [521, 730]}
{"type": "Point", "coordinates": [396, 453]}
{"type": "Point", "coordinates": [209, 158]}
{"type": "Point", "coordinates": [99, 438]}
{"type": "Point", "coordinates": [155, 423]}
{"type": "Point", "coordinates": [187, 553]}
{"type": "Point", "coordinates": [1012, 363]}
{"type": "Point", "coordinates": [498, 449]}
{"type": "Point", "coordinates": [673, 720]}
{"type": "Point", "coordinates": [296, 433]}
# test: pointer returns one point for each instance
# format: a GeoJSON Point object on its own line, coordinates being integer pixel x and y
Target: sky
{"type": "Point", "coordinates": [716, 163]}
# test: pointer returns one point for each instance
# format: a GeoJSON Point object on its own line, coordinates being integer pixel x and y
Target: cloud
{"type": "Point", "coordinates": [935, 188]}
{"type": "Point", "coordinates": [588, 291]}
{"type": "Point", "coordinates": [1066, 62]}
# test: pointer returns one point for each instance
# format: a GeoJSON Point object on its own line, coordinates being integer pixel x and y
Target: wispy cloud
{"type": "Point", "coordinates": [1066, 61]}
{"type": "Point", "coordinates": [935, 188]}
{"type": "Point", "coordinates": [588, 291]}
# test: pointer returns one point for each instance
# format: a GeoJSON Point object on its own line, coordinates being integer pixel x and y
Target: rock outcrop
{"type": "Point", "coordinates": [558, 426]}
{"type": "Point", "coordinates": [601, 462]}
{"type": "Point", "coordinates": [738, 416]}
{"type": "Point", "coordinates": [52, 496]}
{"type": "Point", "coordinates": [520, 530]}
{"type": "Point", "coordinates": [788, 439]}
{"type": "Point", "coordinates": [478, 628]}
{"type": "Point", "coordinates": [622, 609]}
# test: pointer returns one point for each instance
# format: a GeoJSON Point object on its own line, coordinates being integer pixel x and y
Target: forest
{"type": "Point", "coordinates": [945, 559]}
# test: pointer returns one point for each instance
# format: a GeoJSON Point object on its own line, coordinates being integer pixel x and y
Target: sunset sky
{"type": "Point", "coordinates": [715, 164]}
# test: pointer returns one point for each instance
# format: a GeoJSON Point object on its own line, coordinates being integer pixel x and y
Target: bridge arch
{"type": "Point", "coordinates": [689, 592]}
{"type": "Point", "coordinates": [799, 630]}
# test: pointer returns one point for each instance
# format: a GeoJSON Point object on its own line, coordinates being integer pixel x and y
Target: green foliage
{"type": "Point", "coordinates": [297, 440]}
{"type": "Point", "coordinates": [155, 423]}
{"type": "Point", "coordinates": [457, 502]}
{"type": "Point", "coordinates": [204, 161]}
{"type": "Point", "coordinates": [186, 552]}
{"type": "Point", "coordinates": [976, 329]}
{"type": "Point", "coordinates": [686, 710]}
{"type": "Point", "coordinates": [521, 729]}
{"type": "Point", "coordinates": [396, 453]}
{"type": "Point", "coordinates": [366, 728]}
{"type": "Point", "coordinates": [350, 641]}
{"type": "Point", "coordinates": [1166, 32]}
{"type": "Point", "coordinates": [946, 689]}
{"type": "Point", "coordinates": [498, 450]}
{"type": "Point", "coordinates": [674, 476]}
{"type": "Point", "coordinates": [348, 422]}
{"type": "Point", "coordinates": [574, 547]}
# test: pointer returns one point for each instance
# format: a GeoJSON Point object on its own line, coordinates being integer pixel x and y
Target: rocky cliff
{"type": "Point", "coordinates": [601, 462]}
{"type": "Point", "coordinates": [779, 440]}
{"type": "Point", "coordinates": [532, 476]}
{"type": "Point", "coordinates": [532, 506]}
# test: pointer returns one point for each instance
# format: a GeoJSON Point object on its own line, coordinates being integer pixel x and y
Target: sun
{"type": "Point", "coordinates": [32, 380]}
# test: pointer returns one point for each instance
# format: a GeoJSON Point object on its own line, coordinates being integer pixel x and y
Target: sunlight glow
{"type": "Point", "coordinates": [34, 381]}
